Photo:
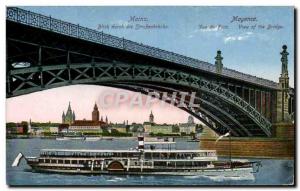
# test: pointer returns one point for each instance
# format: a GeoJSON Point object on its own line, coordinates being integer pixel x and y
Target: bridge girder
{"type": "Point", "coordinates": [38, 78]}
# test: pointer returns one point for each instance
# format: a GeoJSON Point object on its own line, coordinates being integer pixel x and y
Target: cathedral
{"type": "Point", "coordinates": [84, 125]}
{"type": "Point", "coordinates": [69, 117]}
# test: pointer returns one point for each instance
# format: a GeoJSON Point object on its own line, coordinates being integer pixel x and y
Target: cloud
{"type": "Point", "coordinates": [240, 37]}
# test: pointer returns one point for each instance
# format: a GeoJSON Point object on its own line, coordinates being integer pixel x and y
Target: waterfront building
{"type": "Point", "coordinates": [86, 126]}
{"type": "Point", "coordinates": [189, 127]}
{"type": "Point", "coordinates": [119, 127]}
{"type": "Point", "coordinates": [15, 130]}
{"type": "Point", "coordinates": [53, 129]}
{"type": "Point", "coordinates": [63, 127]}
{"type": "Point", "coordinates": [162, 129]}
{"type": "Point", "coordinates": [136, 127]}
{"type": "Point", "coordinates": [140, 129]}
{"type": "Point", "coordinates": [147, 127]}
{"type": "Point", "coordinates": [38, 131]}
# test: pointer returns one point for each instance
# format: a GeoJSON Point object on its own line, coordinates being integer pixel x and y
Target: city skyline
{"type": "Point", "coordinates": [84, 107]}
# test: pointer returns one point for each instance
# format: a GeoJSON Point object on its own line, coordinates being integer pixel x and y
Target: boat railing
{"type": "Point", "coordinates": [91, 155]}
{"type": "Point", "coordinates": [64, 165]}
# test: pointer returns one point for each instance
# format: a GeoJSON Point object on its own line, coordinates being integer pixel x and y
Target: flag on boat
{"type": "Point", "coordinates": [221, 137]}
{"type": "Point", "coordinates": [17, 160]}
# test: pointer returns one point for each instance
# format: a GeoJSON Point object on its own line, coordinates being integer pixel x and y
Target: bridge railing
{"type": "Point", "coordinates": [73, 30]}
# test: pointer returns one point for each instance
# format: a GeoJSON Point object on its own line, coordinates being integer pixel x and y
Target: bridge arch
{"type": "Point", "coordinates": [38, 78]}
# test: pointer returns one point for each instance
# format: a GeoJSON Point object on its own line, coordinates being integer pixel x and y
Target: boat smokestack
{"type": "Point", "coordinates": [141, 142]}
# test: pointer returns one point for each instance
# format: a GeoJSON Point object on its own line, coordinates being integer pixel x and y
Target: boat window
{"type": "Point", "coordinates": [147, 155]}
{"type": "Point", "coordinates": [172, 155]}
{"type": "Point", "coordinates": [202, 154]}
{"type": "Point", "coordinates": [41, 160]}
{"type": "Point", "coordinates": [60, 161]}
{"type": "Point", "coordinates": [74, 161]}
{"type": "Point", "coordinates": [67, 161]}
{"type": "Point", "coordinates": [212, 154]}
{"type": "Point", "coordinates": [47, 161]}
{"type": "Point", "coordinates": [53, 161]}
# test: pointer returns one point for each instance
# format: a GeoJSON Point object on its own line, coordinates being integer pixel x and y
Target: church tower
{"type": "Point", "coordinates": [74, 116]}
{"type": "Point", "coordinates": [63, 117]}
{"type": "Point", "coordinates": [69, 117]}
{"type": "Point", "coordinates": [151, 118]}
{"type": "Point", "coordinates": [95, 113]}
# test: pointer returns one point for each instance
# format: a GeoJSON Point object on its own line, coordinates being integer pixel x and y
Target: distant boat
{"type": "Point", "coordinates": [107, 139]}
{"type": "Point", "coordinates": [92, 138]}
{"type": "Point", "coordinates": [69, 138]}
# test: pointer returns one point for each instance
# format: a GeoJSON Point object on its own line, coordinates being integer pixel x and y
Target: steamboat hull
{"type": "Point", "coordinates": [228, 172]}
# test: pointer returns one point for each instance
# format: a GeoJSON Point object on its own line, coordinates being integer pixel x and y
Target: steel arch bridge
{"type": "Point", "coordinates": [45, 53]}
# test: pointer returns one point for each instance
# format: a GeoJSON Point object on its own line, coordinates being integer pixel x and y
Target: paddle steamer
{"type": "Point", "coordinates": [147, 158]}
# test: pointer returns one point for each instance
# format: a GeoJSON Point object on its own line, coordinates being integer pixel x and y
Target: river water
{"type": "Point", "coordinates": [272, 172]}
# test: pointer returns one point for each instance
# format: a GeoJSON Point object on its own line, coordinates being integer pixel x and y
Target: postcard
{"type": "Point", "coordinates": [150, 96]}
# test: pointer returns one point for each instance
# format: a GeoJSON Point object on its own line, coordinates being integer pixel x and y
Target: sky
{"type": "Point", "coordinates": [248, 44]}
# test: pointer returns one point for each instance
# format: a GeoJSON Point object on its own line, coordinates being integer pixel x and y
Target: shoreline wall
{"type": "Point", "coordinates": [281, 145]}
